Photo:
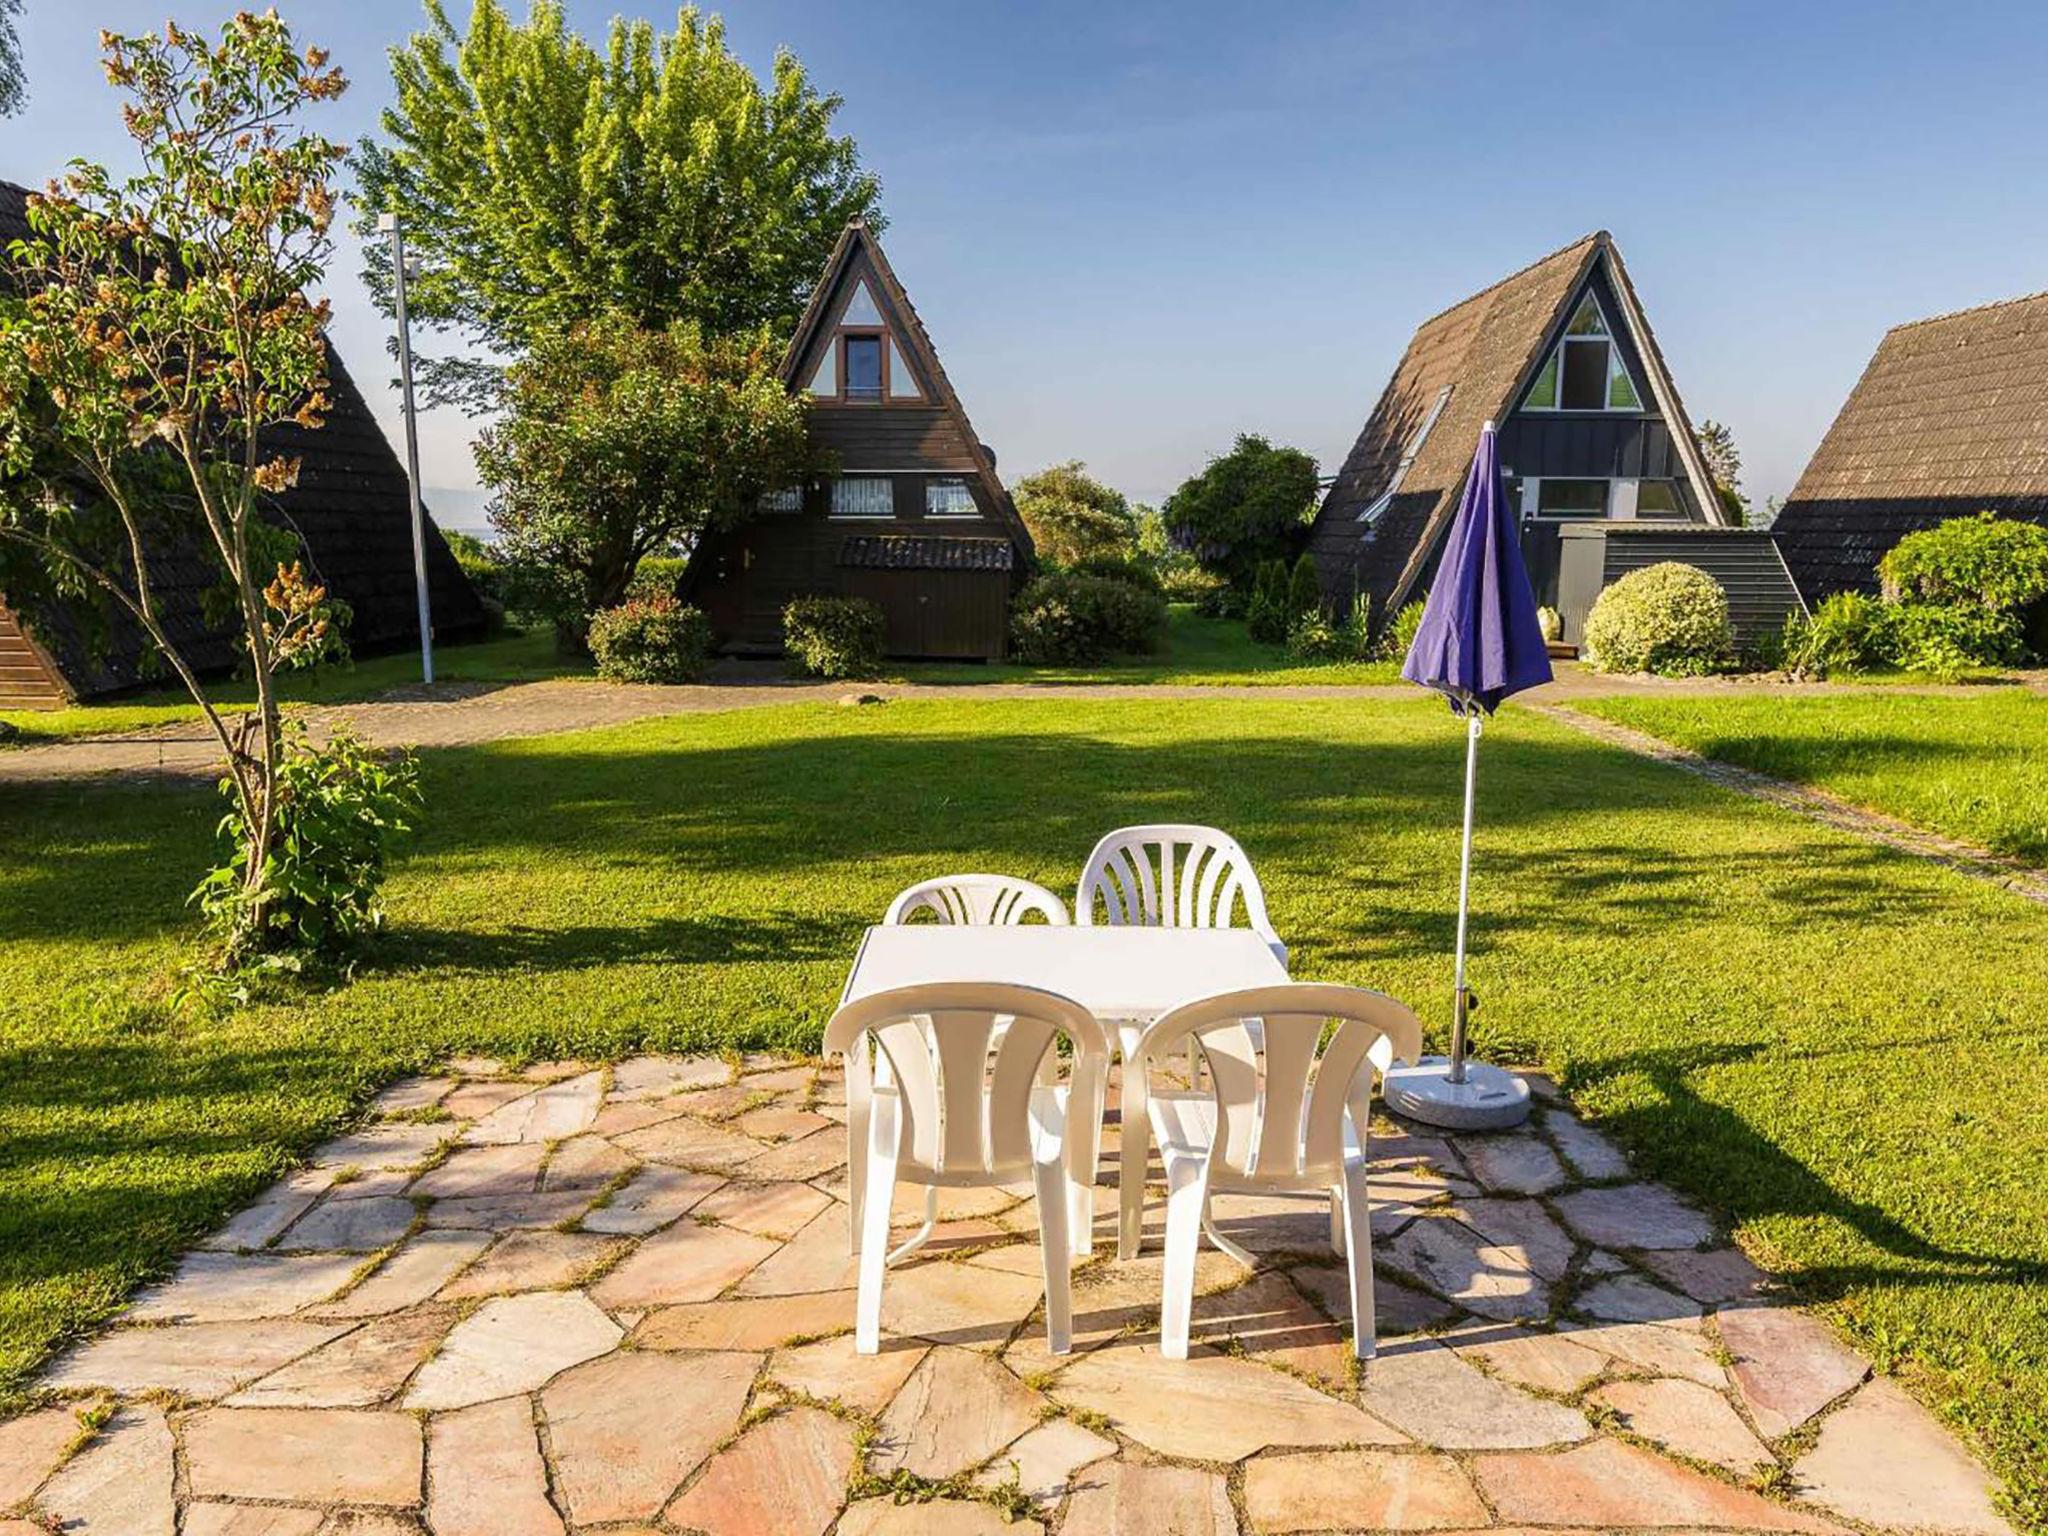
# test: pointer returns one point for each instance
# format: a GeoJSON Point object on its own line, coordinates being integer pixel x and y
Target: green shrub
{"type": "Point", "coordinates": [1848, 632]}
{"type": "Point", "coordinates": [1983, 561]}
{"type": "Point", "coordinates": [1666, 618]}
{"type": "Point", "coordinates": [1354, 635]}
{"type": "Point", "coordinates": [834, 636]}
{"type": "Point", "coordinates": [1401, 633]}
{"type": "Point", "coordinates": [1223, 601]}
{"type": "Point", "coordinates": [339, 808]}
{"type": "Point", "coordinates": [1314, 638]}
{"type": "Point", "coordinates": [1266, 614]}
{"type": "Point", "coordinates": [656, 576]}
{"type": "Point", "coordinates": [1182, 580]}
{"type": "Point", "coordinates": [1551, 623]}
{"type": "Point", "coordinates": [650, 640]}
{"type": "Point", "coordinates": [1064, 618]}
{"type": "Point", "coordinates": [1304, 588]}
{"type": "Point", "coordinates": [1947, 640]}
{"type": "Point", "coordinates": [1127, 569]}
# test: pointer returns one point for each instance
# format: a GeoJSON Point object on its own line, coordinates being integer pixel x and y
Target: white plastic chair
{"type": "Point", "coordinates": [1278, 1117]}
{"type": "Point", "coordinates": [990, 900]}
{"type": "Point", "coordinates": [1166, 875]}
{"type": "Point", "coordinates": [964, 1104]}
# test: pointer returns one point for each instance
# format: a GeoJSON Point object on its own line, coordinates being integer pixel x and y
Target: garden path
{"type": "Point", "coordinates": [584, 1298]}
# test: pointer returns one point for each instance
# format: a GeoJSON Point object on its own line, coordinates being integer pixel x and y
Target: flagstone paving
{"type": "Point", "coordinates": [618, 1301]}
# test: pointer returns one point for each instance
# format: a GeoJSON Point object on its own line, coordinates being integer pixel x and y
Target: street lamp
{"type": "Point", "coordinates": [387, 223]}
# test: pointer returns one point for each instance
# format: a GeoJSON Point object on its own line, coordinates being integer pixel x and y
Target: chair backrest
{"type": "Point", "coordinates": [966, 1107]}
{"type": "Point", "coordinates": [1171, 876]}
{"type": "Point", "coordinates": [1280, 1101]}
{"type": "Point", "coordinates": [988, 900]}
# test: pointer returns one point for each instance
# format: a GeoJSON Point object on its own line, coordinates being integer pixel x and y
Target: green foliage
{"type": "Point", "coordinates": [1354, 634]}
{"type": "Point", "coordinates": [1266, 614]}
{"type": "Point", "coordinates": [834, 636]}
{"type": "Point", "coordinates": [1246, 507]}
{"type": "Point", "coordinates": [1550, 622]}
{"type": "Point", "coordinates": [1184, 581]}
{"type": "Point", "coordinates": [1064, 618]}
{"type": "Point", "coordinates": [657, 576]}
{"type": "Point", "coordinates": [619, 443]}
{"type": "Point", "coordinates": [650, 640]}
{"type": "Point", "coordinates": [1666, 618]}
{"type": "Point", "coordinates": [1128, 569]}
{"type": "Point", "coordinates": [1312, 637]}
{"type": "Point", "coordinates": [1400, 635]}
{"type": "Point", "coordinates": [13, 80]}
{"type": "Point", "coordinates": [1724, 466]}
{"type": "Point", "coordinates": [1947, 641]}
{"type": "Point", "coordinates": [547, 182]}
{"type": "Point", "coordinates": [1848, 632]}
{"type": "Point", "coordinates": [338, 809]}
{"type": "Point", "coordinates": [1074, 518]}
{"type": "Point", "coordinates": [1304, 587]}
{"type": "Point", "coordinates": [486, 573]}
{"type": "Point", "coordinates": [1984, 561]}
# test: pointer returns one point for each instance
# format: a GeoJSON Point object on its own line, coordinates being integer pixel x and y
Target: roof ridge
{"type": "Point", "coordinates": [1523, 271]}
{"type": "Point", "coordinates": [1973, 309]}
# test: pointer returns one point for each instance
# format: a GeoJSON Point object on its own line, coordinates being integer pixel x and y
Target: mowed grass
{"type": "Point", "coordinates": [1840, 1049]}
{"type": "Point", "coordinates": [1973, 767]}
{"type": "Point", "coordinates": [510, 658]}
{"type": "Point", "coordinates": [1196, 651]}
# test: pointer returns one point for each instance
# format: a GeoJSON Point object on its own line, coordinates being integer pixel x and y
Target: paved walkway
{"type": "Point", "coordinates": [617, 1300]}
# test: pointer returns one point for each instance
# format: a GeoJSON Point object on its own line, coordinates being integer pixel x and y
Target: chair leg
{"type": "Point", "coordinates": [1088, 1094]}
{"type": "Point", "coordinates": [1358, 1262]}
{"type": "Point", "coordinates": [1187, 1193]}
{"type": "Point", "coordinates": [1337, 1217]}
{"type": "Point", "coordinates": [1134, 1143]}
{"type": "Point", "coordinates": [859, 1106]}
{"type": "Point", "coordinates": [874, 1242]}
{"type": "Point", "coordinates": [1049, 1175]}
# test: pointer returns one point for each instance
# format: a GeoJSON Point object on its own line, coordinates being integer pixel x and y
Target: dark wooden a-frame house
{"type": "Point", "coordinates": [914, 518]}
{"type": "Point", "coordinates": [1595, 447]}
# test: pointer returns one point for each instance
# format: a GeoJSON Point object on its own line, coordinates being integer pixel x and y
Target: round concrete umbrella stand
{"type": "Point", "coordinates": [1489, 1099]}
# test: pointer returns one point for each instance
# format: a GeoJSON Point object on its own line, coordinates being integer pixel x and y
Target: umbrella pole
{"type": "Point", "coordinates": [1461, 998]}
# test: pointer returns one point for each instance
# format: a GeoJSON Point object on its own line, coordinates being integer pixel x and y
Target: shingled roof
{"type": "Point", "coordinates": [350, 507]}
{"type": "Point", "coordinates": [1949, 418]}
{"type": "Point", "coordinates": [1468, 364]}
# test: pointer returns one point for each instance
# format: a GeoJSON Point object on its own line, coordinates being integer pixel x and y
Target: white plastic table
{"type": "Point", "coordinates": [1126, 977]}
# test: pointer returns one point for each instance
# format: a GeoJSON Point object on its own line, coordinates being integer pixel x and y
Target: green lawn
{"type": "Point", "coordinates": [1839, 1048]}
{"type": "Point", "coordinates": [1975, 768]}
{"type": "Point", "coordinates": [1196, 652]}
{"type": "Point", "coordinates": [511, 658]}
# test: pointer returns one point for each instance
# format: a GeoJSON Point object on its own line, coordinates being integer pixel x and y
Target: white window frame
{"type": "Point", "coordinates": [1532, 490]}
{"type": "Point", "coordinates": [948, 482]}
{"type": "Point", "coordinates": [1408, 457]}
{"type": "Point", "coordinates": [840, 514]}
{"type": "Point", "coordinates": [1615, 364]}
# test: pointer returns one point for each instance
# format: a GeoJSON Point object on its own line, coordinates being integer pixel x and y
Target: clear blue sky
{"type": "Point", "coordinates": [1137, 228]}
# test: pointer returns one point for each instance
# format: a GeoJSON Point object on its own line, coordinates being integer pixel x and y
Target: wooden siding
{"type": "Point", "coordinates": [1745, 561]}
{"type": "Point", "coordinates": [1601, 447]}
{"type": "Point", "coordinates": [960, 615]}
{"type": "Point", "coordinates": [26, 681]}
{"type": "Point", "coordinates": [885, 436]}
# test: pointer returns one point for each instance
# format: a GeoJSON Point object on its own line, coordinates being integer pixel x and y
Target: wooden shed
{"type": "Point", "coordinates": [1745, 561]}
{"type": "Point", "coordinates": [915, 517]}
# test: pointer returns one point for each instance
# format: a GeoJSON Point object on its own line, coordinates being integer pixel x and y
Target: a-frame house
{"type": "Point", "coordinates": [1592, 436]}
{"type": "Point", "coordinates": [914, 517]}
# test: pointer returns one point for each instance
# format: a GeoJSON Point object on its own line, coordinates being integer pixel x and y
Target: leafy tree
{"type": "Point", "coordinates": [164, 328]}
{"type": "Point", "coordinates": [13, 82]}
{"type": "Point", "coordinates": [1304, 588]}
{"type": "Point", "coordinates": [1724, 464]}
{"type": "Point", "coordinates": [1246, 507]}
{"type": "Point", "coordinates": [619, 442]}
{"type": "Point", "coordinates": [544, 181]}
{"type": "Point", "coordinates": [1074, 517]}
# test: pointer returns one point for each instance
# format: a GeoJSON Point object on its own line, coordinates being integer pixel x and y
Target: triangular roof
{"type": "Point", "coordinates": [351, 508]}
{"type": "Point", "coordinates": [859, 255]}
{"type": "Point", "coordinates": [1949, 418]}
{"type": "Point", "coordinates": [1467, 366]}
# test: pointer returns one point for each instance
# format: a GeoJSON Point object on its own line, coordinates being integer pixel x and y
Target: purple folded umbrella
{"type": "Point", "coordinates": [1479, 641]}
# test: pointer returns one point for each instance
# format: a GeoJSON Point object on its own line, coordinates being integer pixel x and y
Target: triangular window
{"type": "Point", "coordinates": [860, 309]}
{"type": "Point", "coordinates": [1585, 370]}
{"type": "Point", "coordinates": [902, 382]}
{"type": "Point", "coordinates": [825, 381]}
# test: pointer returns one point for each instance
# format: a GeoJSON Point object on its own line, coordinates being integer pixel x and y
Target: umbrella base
{"type": "Point", "coordinates": [1488, 1100]}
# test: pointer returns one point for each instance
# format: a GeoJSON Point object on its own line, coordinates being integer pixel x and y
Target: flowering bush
{"type": "Point", "coordinates": [1667, 618]}
{"type": "Point", "coordinates": [650, 640]}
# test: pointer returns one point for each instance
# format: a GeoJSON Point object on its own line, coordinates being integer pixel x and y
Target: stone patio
{"type": "Point", "coordinates": [619, 1300]}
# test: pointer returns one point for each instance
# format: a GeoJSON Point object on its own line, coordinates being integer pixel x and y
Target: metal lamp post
{"type": "Point", "coordinates": [387, 223]}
